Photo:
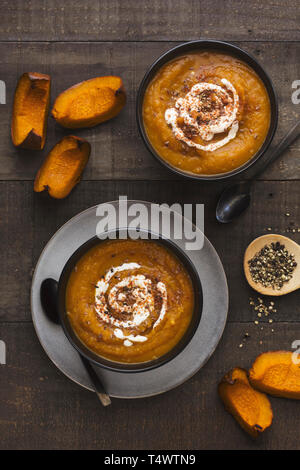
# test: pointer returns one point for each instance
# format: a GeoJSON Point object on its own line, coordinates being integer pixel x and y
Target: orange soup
{"type": "Point", "coordinates": [206, 113]}
{"type": "Point", "coordinates": [130, 301]}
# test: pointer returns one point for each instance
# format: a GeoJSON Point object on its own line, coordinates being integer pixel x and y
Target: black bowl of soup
{"type": "Point", "coordinates": [129, 305]}
{"type": "Point", "coordinates": [207, 110]}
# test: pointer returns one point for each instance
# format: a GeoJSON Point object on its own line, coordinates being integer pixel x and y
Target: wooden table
{"type": "Point", "coordinates": [73, 40]}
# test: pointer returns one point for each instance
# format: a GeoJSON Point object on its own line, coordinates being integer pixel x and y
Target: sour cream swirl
{"type": "Point", "coordinates": [130, 303]}
{"type": "Point", "coordinates": [206, 110]}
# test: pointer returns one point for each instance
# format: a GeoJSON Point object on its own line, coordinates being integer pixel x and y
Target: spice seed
{"type": "Point", "coordinates": [272, 266]}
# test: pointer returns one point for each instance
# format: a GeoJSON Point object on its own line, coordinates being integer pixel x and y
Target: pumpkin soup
{"type": "Point", "coordinates": [130, 301]}
{"type": "Point", "coordinates": [206, 113]}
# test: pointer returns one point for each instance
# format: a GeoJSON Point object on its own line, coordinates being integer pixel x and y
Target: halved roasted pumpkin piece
{"type": "Point", "coordinates": [30, 111]}
{"type": "Point", "coordinates": [62, 167]}
{"type": "Point", "coordinates": [89, 103]}
{"type": "Point", "coordinates": [251, 409]}
{"type": "Point", "coordinates": [274, 372]}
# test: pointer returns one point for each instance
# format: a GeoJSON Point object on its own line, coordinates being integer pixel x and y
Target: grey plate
{"type": "Point", "coordinates": [133, 385]}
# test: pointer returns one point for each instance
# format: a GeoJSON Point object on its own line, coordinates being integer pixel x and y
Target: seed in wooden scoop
{"type": "Point", "coordinates": [272, 266]}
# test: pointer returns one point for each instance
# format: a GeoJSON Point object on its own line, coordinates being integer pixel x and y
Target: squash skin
{"type": "Point", "coordinates": [80, 105]}
{"type": "Point", "coordinates": [251, 409]}
{"type": "Point", "coordinates": [35, 87]}
{"type": "Point", "coordinates": [275, 373]}
{"type": "Point", "coordinates": [62, 167]}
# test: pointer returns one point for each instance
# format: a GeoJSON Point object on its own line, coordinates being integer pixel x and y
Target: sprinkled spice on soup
{"type": "Point", "coordinates": [130, 301]}
{"type": "Point", "coordinates": [206, 113]}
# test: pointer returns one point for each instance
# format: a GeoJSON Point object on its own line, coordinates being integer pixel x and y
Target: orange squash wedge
{"type": "Point", "coordinates": [62, 167]}
{"type": "Point", "coordinates": [89, 103]}
{"type": "Point", "coordinates": [30, 111]}
{"type": "Point", "coordinates": [251, 409]}
{"type": "Point", "coordinates": [274, 372]}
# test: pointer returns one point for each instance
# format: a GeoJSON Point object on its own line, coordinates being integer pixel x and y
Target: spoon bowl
{"type": "Point", "coordinates": [235, 199]}
{"type": "Point", "coordinates": [292, 247]}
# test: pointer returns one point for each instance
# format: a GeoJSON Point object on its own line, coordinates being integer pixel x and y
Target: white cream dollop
{"type": "Point", "coordinates": [138, 310]}
{"type": "Point", "coordinates": [129, 339]}
{"type": "Point", "coordinates": [207, 109]}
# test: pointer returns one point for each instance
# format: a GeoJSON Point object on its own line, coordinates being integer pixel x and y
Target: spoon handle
{"type": "Point", "coordinates": [99, 389]}
{"type": "Point", "coordinates": [293, 133]}
{"type": "Point", "coordinates": [48, 293]}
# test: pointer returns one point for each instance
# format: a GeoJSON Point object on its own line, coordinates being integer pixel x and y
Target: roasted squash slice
{"type": "Point", "coordinates": [251, 409]}
{"type": "Point", "coordinates": [30, 111]}
{"type": "Point", "coordinates": [89, 103]}
{"type": "Point", "coordinates": [274, 372]}
{"type": "Point", "coordinates": [62, 167]}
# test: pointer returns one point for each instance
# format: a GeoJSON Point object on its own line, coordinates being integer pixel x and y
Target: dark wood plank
{"type": "Point", "coordinates": [42, 409]}
{"type": "Point", "coordinates": [117, 150]}
{"type": "Point", "coordinates": [149, 20]}
{"type": "Point", "coordinates": [27, 221]}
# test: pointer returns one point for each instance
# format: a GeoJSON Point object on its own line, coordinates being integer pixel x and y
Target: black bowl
{"type": "Point", "coordinates": [118, 366]}
{"type": "Point", "coordinates": [218, 46]}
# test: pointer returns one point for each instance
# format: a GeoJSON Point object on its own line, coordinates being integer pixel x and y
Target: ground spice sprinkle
{"type": "Point", "coordinates": [272, 266]}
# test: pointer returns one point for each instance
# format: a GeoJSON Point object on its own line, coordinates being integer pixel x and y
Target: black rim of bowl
{"type": "Point", "coordinates": [129, 367]}
{"type": "Point", "coordinates": [193, 46]}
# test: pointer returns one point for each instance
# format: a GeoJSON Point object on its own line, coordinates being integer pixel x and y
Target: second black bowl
{"type": "Point", "coordinates": [212, 45]}
{"type": "Point", "coordinates": [120, 366]}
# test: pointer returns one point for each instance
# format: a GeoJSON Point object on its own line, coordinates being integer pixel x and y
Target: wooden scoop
{"type": "Point", "coordinates": [256, 246]}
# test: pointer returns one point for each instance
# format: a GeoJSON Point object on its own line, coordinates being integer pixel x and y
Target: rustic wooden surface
{"type": "Point", "coordinates": [74, 40]}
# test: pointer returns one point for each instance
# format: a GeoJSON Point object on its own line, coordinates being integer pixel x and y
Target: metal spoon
{"type": "Point", "coordinates": [48, 300]}
{"type": "Point", "coordinates": [236, 198]}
